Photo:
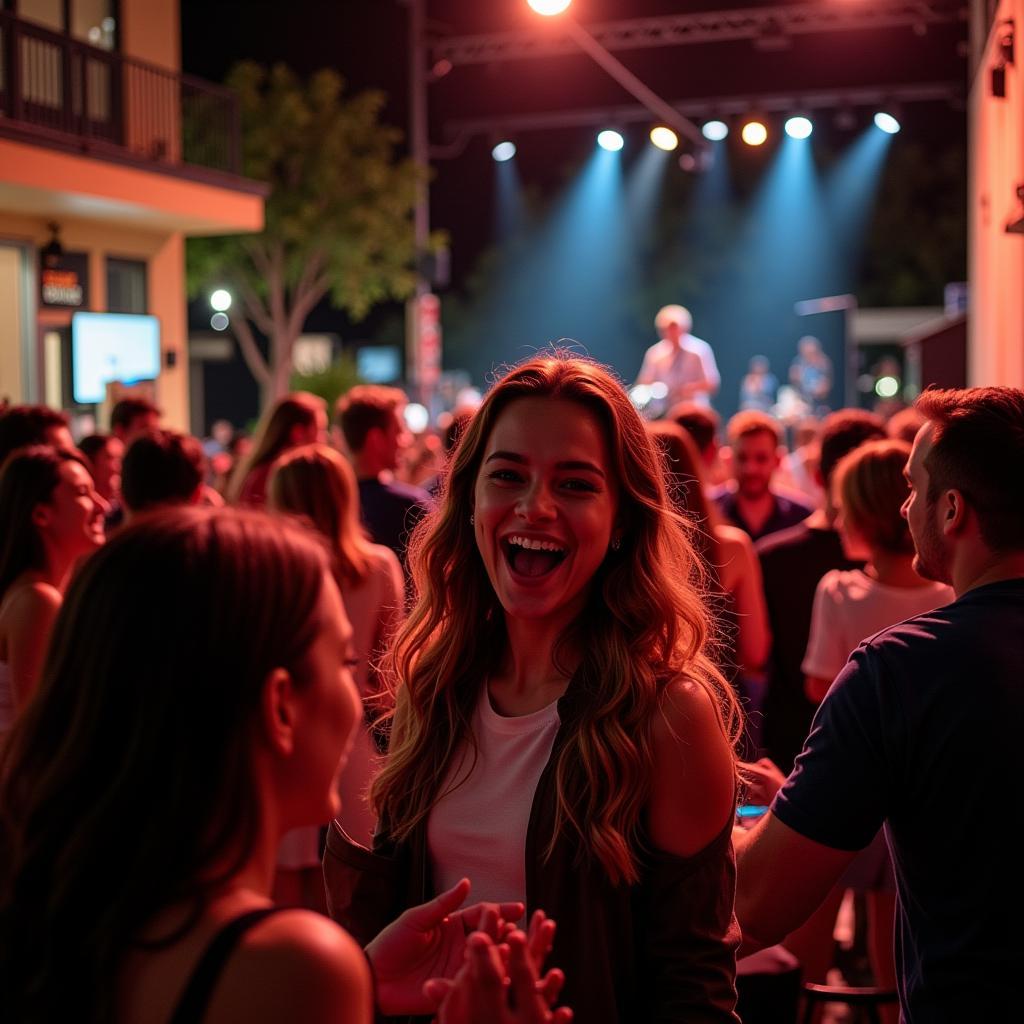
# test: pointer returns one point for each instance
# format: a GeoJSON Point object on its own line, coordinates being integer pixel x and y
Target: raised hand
{"type": "Point", "coordinates": [429, 941]}
{"type": "Point", "coordinates": [498, 985]}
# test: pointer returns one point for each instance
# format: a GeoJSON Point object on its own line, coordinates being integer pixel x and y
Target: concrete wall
{"type": "Point", "coordinates": [996, 168]}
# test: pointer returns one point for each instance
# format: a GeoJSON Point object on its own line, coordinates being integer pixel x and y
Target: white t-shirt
{"type": "Point", "coordinates": [850, 607]}
{"type": "Point", "coordinates": [691, 363]}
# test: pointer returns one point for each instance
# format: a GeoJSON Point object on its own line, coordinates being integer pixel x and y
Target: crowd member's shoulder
{"type": "Point", "coordinates": [29, 602]}
{"type": "Point", "coordinates": [295, 965]}
{"type": "Point", "coordinates": [693, 783]}
{"type": "Point", "coordinates": [782, 542]}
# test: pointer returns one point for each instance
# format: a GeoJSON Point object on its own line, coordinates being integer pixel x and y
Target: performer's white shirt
{"type": "Point", "coordinates": [676, 367]}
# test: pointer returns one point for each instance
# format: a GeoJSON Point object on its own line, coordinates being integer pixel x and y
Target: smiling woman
{"type": "Point", "coordinates": [560, 736]}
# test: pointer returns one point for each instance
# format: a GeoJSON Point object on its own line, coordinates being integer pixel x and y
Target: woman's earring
{"type": "Point", "coordinates": [616, 543]}
{"type": "Point", "coordinates": [472, 519]}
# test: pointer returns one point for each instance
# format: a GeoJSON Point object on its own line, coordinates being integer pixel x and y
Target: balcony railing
{"type": "Point", "coordinates": [59, 89]}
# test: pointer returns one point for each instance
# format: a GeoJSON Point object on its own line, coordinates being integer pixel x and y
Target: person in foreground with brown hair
{"type": "Point", "coordinates": [920, 732]}
{"type": "Point", "coordinates": [196, 703]}
{"type": "Point", "coordinates": [560, 737]}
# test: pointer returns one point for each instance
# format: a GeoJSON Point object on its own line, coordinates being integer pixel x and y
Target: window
{"type": "Point", "coordinates": [126, 286]}
{"type": "Point", "coordinates": [91, 21]}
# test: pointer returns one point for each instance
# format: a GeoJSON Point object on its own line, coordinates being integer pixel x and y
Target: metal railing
{"type": "Point", "coordinates": [63, 89]}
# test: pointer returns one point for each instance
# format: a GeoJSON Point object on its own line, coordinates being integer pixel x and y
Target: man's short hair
{"type": "Point", "coordinates": [364, 407]}
{"type": "Point", "coordinates": [129, 409]}
{"type": "Point", "coordinates": [673, 314]}
{"type": "Point", "coordinates": [92, 445]}
{"type": "Point", "coordinates": [161, 468]}
{"type": "Point", "coordinates": [978, 449]}
{"type": "Point", "coordinates": [700, 422]}
{"type": "Point", "coordinates": [23, 425]}
{"type": "Point", "coordinates": [841, 432]}
{"type": "Point", "coordinates": [751, 422]}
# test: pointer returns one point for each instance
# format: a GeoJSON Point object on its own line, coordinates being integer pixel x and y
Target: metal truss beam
{"type": "Point", "coordinates": [766, 26]}
{"type": "Point", "coordinates": [712, 106]}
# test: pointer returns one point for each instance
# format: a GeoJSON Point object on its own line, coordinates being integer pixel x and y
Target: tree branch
{"type": "Point", "coordinates": [251, 353]}
{"type": "Point", "coordinates": [255, 308]}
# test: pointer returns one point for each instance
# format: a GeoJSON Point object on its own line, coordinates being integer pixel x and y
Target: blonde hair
{"type": "Point", "coordinates": [673, 314]}
{"type": "Point", "coordinates": [871, 489]}
{"type": "Point", "coordinates": [317, 484]}
{"type": "Point", "coordinates": [644, 625]}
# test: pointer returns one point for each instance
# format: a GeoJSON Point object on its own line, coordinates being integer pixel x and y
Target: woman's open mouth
{"type": "Point", "coordinates": [530, 558]}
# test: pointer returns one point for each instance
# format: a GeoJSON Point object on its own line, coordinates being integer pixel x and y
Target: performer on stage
{"type": "Point", "coordinates": [682, 362]}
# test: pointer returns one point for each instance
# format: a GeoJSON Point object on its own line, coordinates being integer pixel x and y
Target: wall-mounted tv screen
{"type": "Point", "coordinates": [108, 347]}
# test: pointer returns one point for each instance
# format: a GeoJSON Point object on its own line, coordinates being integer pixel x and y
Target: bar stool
{"type": "Point", "coordinates": [868, 999]}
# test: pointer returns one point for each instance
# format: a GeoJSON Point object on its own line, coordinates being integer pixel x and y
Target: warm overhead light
{"type": "Point", "coordinates": [799, 127]}
{"type": "Point", "coordinates": [754, 133]}
{"type": "Point", "coordinates": [549, 7]}
{"type": "Point", "coordinates": [504, 151]}
{"type": "Point", "coordinates": [664, 138]}
{"type": "Point", "coordinates": [220, 300]}
{"type": "Point", "coordinates": [887, 123]}
{"type": "Point", "coordinates": [715, 131]}
{"type": "Point", "coordinates": [611, 140]}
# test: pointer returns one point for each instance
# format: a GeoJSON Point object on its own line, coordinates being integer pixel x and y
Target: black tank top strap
{"type": "Point", "coordinates": [192, 1005]}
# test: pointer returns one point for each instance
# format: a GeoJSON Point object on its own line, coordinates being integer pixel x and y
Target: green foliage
{"type": "Point", "coordinates": [338, 196]}
{"type": "Point", "coordinates": [331, 383]}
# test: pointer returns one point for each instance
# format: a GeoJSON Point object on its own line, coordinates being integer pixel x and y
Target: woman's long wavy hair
{"type": "Point", "coordinates": [644, 624]}
{"type": "Point", "coordinates": [29, 478]}
{"type": "Point", "coordinates": [318, 485]}
{"type": "Point", "coordinates": [127, 784]}
{"type": "Point", "coordinates": [273, 436]}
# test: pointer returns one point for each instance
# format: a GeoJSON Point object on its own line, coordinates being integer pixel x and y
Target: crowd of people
{"type": "Point", "coordinates": [270, 715]}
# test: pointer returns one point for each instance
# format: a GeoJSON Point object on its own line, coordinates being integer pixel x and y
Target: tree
{"type": "Point", "coordinates": [338, 216]}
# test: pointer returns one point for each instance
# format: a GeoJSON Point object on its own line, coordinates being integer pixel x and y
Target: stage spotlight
{"type": "Point", "coordinates": [611, 140]}
{"type": "Point", "coordinates": [754, 133]}
{"type": "Point", "coordinates": [504, 151]}
{"type": "Point", "coordinates": [887, 123]}
{"type": "Point", "coordinates": [664, 138]}
{"type": "Point", "coordinates": [219, 321]}
{"type": "Point", "coordinates": [799, 127]}
{"type": "Point", "coordinates": [549, 7]}
{"type": "Point", "coordinates": [715, 131]}
{"type": "Point", "coordinates": [887, 387]}
{"type": "Point", "coordinates": [220, 300]}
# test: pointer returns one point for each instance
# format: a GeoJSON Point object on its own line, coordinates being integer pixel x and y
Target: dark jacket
{"type": "Point", "coordinates": [660, 951]}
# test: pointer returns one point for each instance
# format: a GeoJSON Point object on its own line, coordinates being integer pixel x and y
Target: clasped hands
{"type": "Point", "coordinates": [467, 965]}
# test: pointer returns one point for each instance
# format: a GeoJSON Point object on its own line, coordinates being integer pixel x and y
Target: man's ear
{"type": "Point", "coordinates": [953, 511]}
{"type": "Point", "coordinates": [278, 711]}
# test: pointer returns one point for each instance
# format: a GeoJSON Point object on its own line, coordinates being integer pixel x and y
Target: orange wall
{"type": "Point", "coordinates": [996, 259]}
{"type": "Point", "coordinates": [150, 30]}
{"type": "Point", "coordinates": [165, 257]}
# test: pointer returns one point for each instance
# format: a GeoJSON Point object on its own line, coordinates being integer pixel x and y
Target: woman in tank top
{"type": "Point", "coordinates": [50, 516]}
{"type": "Point", "coordinates": [197, 702]}
{"type": "Point", "coordinates": [560, 735]}
{"type": "Point", "coordinates": [317, 486]}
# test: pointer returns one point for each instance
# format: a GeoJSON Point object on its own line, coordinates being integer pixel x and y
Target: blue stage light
{"type": "Point", "coordinates": [504, 151]}
{"type": "Point", "coordinates": [799, 127]}
{"type": "Point", "coordinates": [611, 140]}
{"type": "Point", "coordinates": [887, 123]}
{"type": "Point", "coordinates": [715, 131]}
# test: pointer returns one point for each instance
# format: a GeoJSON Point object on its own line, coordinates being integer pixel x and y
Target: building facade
{"type": "Point", "coordinates": [109, 159]}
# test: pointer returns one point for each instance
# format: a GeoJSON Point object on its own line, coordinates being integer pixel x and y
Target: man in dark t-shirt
{"type": "Point", "coordinates": [920, 732]}
{"type": "Point", "coordinates": [370, 420]}
{"type": "Point", "coordinates": [792, 563]}
{"type": "Point", "coordinates": [750, 502]}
